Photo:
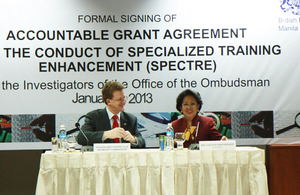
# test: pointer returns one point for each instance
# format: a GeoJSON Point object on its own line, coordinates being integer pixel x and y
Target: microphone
{"type": "Point", "coordinates": [198, 122]}
{"type": "Point", "coordinates": [77, 125]}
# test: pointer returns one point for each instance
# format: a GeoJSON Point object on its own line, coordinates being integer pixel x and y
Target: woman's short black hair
{"type": "Point", "coordinates": [185, 93]}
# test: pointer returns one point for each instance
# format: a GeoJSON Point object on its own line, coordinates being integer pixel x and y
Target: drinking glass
{"type": "Point", "coordinates": [180, 139]}
{"type": "Point", "coordinates": [71, 140]}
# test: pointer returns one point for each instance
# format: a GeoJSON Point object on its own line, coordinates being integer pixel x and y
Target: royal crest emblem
{"type": "Point", "coordinates": [291, 5]}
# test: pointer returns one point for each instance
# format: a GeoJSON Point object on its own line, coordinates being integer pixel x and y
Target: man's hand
{"type": "Point", "coordinates": [129, 137]}
{"type": "Point", "coordinates": [117, 132]}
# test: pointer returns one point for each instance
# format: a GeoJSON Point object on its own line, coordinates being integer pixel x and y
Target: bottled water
{"type": "Point", "coordinates": [62, 141]}
{"type": "Point", "coordinates": [169, 137]}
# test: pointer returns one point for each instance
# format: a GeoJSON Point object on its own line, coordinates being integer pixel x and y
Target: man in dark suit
{"type": "Point", "coordinates": [111, 124]}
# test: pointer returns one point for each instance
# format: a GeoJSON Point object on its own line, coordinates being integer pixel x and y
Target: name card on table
{"type": "Point", "coordinates": [217, 145]}
{"type": "Point", "coordinates": [111, 147]}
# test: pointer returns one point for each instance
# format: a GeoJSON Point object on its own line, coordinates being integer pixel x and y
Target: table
{"type": "Point", "coordinates": [283, 168]}
{"type": "Point", "coordinates": [154, 172]}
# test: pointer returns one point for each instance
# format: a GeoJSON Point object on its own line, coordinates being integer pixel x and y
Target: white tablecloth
{"type": "Point", "coordinates": [151, 172]}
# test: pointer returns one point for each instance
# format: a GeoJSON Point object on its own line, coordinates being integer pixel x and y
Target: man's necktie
{"type": "Point", "coordinates": [116, 124]}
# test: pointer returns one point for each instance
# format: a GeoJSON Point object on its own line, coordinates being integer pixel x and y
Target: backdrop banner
{"type": "Point", "coordinates": [242, 57]}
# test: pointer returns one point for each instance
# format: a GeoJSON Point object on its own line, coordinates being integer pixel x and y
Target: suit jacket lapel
{"type": "Point", "coordinates": [123, 121]}
{"type": "Point", "coordinates": [103, 117]}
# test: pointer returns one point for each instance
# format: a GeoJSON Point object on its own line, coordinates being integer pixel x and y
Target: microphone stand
{"type": "Point", "coordinates": [87, 147]}
{"type": "Point", "coordinates": [195, 146]}
{"type": "Point", "coordinates": [198, 122]}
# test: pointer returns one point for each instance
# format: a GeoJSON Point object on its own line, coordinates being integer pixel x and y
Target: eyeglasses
{"type": "Point", "coordinates": [193, 105]}
{"type": "Point", "coordinates": [123, 99]}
